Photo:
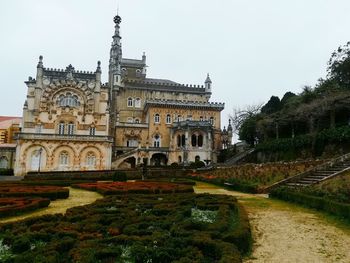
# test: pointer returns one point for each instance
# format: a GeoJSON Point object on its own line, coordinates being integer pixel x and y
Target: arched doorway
{"type": "Point", "coordinates": [159, 159]}
{"type": "Point", "coordinates": [128, 163]}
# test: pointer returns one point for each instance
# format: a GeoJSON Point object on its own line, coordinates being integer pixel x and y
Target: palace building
{"type": "Point", "coordinates": [71, 121]}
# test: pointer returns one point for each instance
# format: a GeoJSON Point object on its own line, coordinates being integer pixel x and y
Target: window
{"type": "Point", "coordinates": [35, 160]}
{"type": "Point", "coordinates": [200, 140]}
{"type": "Point", "coordinates": [201, 118]}
{"type": "Point", "coordinates": [156, 118]}
{"type": "Point", "coordinates": [180, 159]}
{"type": "Point", "coordinates": [183, 140]}
{"type": "Point", "coordinates": [70, 128]}
{"type": "Point", "coordinates": [92, 130]}
{"type": "Point", "coordinates": [132, 143]}
{"type": "Point", "coordinates": [211, 120]}
{"type": "Point", "coordinates": [91, 161]}
{"type": "Point", "coordinates": [137, 120]}
{"type": "Point", "coordinates": [189, 117]}
{"type": "Point", "coordinates": [130, 102]}
{"type": "Point", "coordinates": [178, 141]}
{"type": "Point", "coordinates": [179, 118]}
{"type": "Point", "coordinates": [156, 141]}
{"type": "Point", "coordinates": [194, 140]}
{"type": "Point", "coordinates": [168, 119]}
{"type": "Point", "coordinates": [61, 128]}
{"type": "Point", "coordinates": [197, 158]}
{"type": "Point", "coordinates": [130, 120]}
{"type": "Point", "coordinates": [68, 100]}
{"type": "Point", "coordinates": [64, 159]}
{"type": "Point", "coordinates": [3, 162]}
{"type": "Point", "coordinates": [138, 103]}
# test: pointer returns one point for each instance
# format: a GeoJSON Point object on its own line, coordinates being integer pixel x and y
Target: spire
{"type": "Point", "coordinates": [207, 84]}
{"type": "Point", "coordinates": [98, 69]}
{"type": "Point", "coordinates": [115, 54]}
{"type": "Point", "coordinates": [229, 127]}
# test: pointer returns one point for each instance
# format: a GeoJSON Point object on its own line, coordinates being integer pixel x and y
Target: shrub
{"type": "Point", "coordinates": [7, 172]}
{"type": "Point", "coordinates": [119, 176]}
{"type": "Point", "coordinates": [11, 206]}
{"type": "Point", "coordinates": [20, 190]}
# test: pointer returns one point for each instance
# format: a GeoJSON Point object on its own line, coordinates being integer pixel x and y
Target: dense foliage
{"type": "Point", "coordinates": [21, 190]}
{"type": "Point", "coordinates": [306, 115]}
{"type": "Point", "coordinates": [139, 187]}
{"type": "Point", "coordinates": [134, 228]}
{"type": "Point", "coordinates": [10, 206]}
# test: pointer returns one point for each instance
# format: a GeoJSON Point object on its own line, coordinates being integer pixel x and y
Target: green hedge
{"type": "Point", "coordinates": [7, 172]}
{"type": "Point", "coordinates": [319, 203]}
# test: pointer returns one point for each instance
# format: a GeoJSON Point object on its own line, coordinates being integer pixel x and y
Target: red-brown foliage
{"type": "Point", "coordinates": [111, 188]}
{"type": "Point", "coordinates": [19, 190]}
{"type": "Point", "coordinates": [15, 205]}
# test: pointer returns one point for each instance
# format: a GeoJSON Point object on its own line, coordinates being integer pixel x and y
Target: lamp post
{"type": "Point", "coordinates": [40, 152]}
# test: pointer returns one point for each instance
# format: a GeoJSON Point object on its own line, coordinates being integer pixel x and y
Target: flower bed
{"type": "Point", "coordinates": [111, 188]}
{"type": "Point", "coordinates": [10, 206]}
{"type": "Point", "coordinates": [254, 178]}
{"type": "Point", "coordinates": [135, 228]}
{"type": "Point", "coordinates": [20, 190]}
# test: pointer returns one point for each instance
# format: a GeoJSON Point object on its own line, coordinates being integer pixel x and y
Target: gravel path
{"type": "Point", "coordinates": [77, 197]}
{"type": "Point", "coordinates": [285, 232]}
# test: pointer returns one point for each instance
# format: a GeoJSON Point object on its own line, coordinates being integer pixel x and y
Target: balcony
{"type": "Point", "coordinates": [65, 137]}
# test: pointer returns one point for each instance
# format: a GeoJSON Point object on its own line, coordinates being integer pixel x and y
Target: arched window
{"type": "Point", "coordinates": [130, 120]}
{"type": "Point", "coordinates": [138, 103]}
{"type": "Point", "coordinates": [201, 118]}
{"type": "Point", "coordinates": [183, 140]}
{"type": "Point", "coordinates": [179, 118]}
{"type": "Point", "coordinates": [35, 160]}
{"type": "Point", "coordinates": [156, 141]}
{"type": "Point", "coordinates": [3, 162]}
{"type": "Point", "coordinates": [197, 158]}
{"type": "Point", "coordinates": [130, 102]}
{"type": "Point", "coordinates": [180, 159]}
{"type": "Point", "coordinates": [200, 140]}
{"type": "Point", "coordinates": [168, 119]}
{"type": "Point", "coordinates": [91, 161]}
{"type": "Point", "coordinates": [156, 118]}
{"type": "Point", "coordinates": [64, 159]}
{"type": "Point", "coordinates": [61, 128]}
{"type": "Point", "coordinates": [70, 128]}
{"type": "Point", "coordinates": [92, 131]}
{"type": "Point", "coordinates": [178, 141]}
{"type": "Point", "coordinates": [137, 120]}
{"type": "Point", "coordinates": [68, 100]}
{"type": "Point", "coordinates": [194, 140]}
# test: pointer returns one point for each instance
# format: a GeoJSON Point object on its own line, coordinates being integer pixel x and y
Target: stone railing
{"type": "Point", "coordinates": [59, 137]}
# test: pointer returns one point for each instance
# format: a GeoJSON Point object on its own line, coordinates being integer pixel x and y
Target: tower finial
{"type": "Point", "coordinates": [40, 63]}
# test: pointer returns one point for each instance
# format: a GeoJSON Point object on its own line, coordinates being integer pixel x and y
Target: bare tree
{"type": "Point", "coordinates": [239, 116]}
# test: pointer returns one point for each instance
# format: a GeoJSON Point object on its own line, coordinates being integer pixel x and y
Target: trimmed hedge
{"type": "Point", "coordinates": [16, 205]}
{"type": "Point", "coordinates": [319, 203]}
{"type": "Point", "coordinates": [20, 190]}
{"type": "Point", "coordinates": [6, 172]}
{"type": "Point", "coordinates": [134, 228]}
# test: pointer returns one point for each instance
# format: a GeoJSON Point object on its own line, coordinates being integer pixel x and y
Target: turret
{"type": "Point", "coordinates": [208, 84]}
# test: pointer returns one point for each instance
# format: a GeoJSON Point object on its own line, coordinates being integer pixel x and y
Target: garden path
{"type": "Point", "coordinates": [77, 197]}
{"type": "Point", "coordinates": [284, 232]}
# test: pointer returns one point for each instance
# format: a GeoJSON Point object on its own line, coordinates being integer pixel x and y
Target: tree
{"type": "Point", "coordinates": [339, 66]}
{"type": "Point", "coordinates": [272, 106]}
{"type": "Point", "coordinates": [239, 116]}
{"type": "Point", "coordinates": [286, 97]}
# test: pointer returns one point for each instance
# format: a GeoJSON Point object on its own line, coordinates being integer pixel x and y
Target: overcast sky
{"type": "Point", "coordinates": [252, 49]}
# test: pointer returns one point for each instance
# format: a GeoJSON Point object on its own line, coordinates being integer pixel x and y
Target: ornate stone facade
{"type": "Point", "coordinates": [71, 121]}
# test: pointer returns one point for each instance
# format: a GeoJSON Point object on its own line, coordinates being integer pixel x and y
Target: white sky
{"type": "Point", "coordinates": [252, 49]}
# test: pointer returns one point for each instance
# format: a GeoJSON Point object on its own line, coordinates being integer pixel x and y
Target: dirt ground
{"type": "Point", "coordinates": [284, 232]}
{"type": "Point", "coordinates": [76, 197]}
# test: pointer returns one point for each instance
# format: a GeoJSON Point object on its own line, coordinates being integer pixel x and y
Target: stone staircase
{"type": "Point", "coordinates": [318, 174]}
{"type": "Point", "coordinates": [235, 159]}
